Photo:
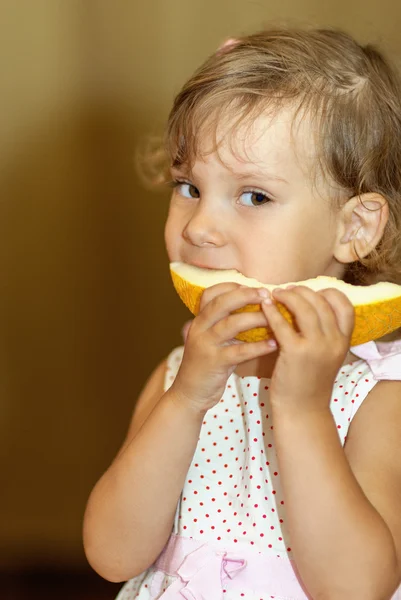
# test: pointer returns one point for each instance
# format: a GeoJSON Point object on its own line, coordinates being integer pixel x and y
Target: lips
{"type": "Point", "coordinates": [204, 266]}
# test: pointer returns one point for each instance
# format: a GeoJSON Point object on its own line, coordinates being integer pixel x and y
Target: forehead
{"type": "Point", "coordinates": [282, 142]}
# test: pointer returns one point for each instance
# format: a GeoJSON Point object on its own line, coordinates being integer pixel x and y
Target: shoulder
{"type": "Point", "coordinates": [157, 383]}
{"type": "Point", "coordinates": [160, 379]}
{"type": "Point", "coordinates": [373, 449]}
{"type": "Point", "coordinates": [379, 414]}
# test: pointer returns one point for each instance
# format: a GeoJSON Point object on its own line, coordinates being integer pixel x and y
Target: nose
{"type": "Point", "coordinates": [205, 227]}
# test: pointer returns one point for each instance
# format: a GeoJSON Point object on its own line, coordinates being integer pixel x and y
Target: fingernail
{"type": "Point", "coordinates": [263, 293]}
{"type": "Point", "coordinates": [267, 301]}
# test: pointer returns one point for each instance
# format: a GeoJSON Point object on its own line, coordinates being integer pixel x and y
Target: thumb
{"type": "Point", "coordinates": [185, 329]}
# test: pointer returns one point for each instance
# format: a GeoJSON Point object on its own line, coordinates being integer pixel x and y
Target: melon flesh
{"type": "Point", "coordinates": [377, 307]}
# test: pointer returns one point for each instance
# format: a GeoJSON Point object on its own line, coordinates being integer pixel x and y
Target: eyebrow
{"type": "Point", "coordinates": [258, 174]}
{"type": "Point", "coordinates": [261, 175]}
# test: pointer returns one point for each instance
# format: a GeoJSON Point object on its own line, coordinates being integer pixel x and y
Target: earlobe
{"type": "Point", "coordinates": [361, 226]}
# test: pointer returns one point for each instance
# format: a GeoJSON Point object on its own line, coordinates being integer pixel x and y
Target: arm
{"type": "Point", "coordinates": [343, 506]}
{"type": "Point", "coordinates": [130, 512]}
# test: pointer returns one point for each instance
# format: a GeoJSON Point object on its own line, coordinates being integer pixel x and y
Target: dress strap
{"type": "Point", "coordinates": [173, 362]}
{"type": "Point", "coordinates": [383, 358]}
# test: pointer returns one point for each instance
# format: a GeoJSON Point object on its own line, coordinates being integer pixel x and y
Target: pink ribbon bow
{"type": "Point", "coordinates": [202, 574]}
{"type": "Point", "coordinates": [383, 358]}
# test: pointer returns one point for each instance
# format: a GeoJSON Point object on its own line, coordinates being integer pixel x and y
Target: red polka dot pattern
{"type": "Point", "coordinates": [232, 492]}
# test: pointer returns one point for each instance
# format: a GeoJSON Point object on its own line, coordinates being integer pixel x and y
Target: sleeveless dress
{"type": "Point", "coordinates": [230, 539]}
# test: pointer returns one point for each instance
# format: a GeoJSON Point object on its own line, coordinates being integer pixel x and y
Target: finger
{"type": "Point", "coordinates": [326, 314]}
{"type": "Point", "coordinates": [304, 312]}
{"type": "Point", "coordinates": [238, 353]}
{"type": "Point", "coordinates": [229, 327]}
{"type": "Point", "coordinates": [216, 290]}
{"type": "Point", "coordinates": [282, 330]}
{"type": "Point", "coordinates": [343, 310]}
{"type": "Point", "coordinates": [222, 305]}
{"type": "Point", "coordinates": [185, 329]}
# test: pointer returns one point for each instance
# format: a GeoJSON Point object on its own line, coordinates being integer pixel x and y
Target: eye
{"type": "Point", "coordinates": [255, 198]}
{"type": "Point", "coordinates": [185, 189]}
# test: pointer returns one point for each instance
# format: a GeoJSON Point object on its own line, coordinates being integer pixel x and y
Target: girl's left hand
{"type": "Point", "coordinates": [311, 355]}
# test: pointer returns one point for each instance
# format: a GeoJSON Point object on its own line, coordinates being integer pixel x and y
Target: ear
{"type": "Point", "coordinates": [361, 225]}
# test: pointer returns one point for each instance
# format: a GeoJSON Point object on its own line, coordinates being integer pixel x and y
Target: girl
{"type": "Point", "coordinates": [270, 470]}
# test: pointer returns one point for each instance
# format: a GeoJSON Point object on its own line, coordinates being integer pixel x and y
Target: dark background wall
{"type": "Point", "coordinates": [87, 307]}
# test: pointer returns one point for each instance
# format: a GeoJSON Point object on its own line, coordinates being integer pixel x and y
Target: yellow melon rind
{"type": "Point", "coordinates": [372, 320]}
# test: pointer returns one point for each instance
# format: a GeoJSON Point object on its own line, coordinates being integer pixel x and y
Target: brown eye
{"type": "Point", "coordinates": [254, 198]}
{"type": "Point", "coordinates": [187, 189]}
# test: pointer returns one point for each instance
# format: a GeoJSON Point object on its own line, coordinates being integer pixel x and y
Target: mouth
{"type": "Point", "coordinates": [204, 266]}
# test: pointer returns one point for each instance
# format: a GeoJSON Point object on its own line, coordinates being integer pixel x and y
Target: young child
{"type": "Point", "coordinates": [270, 470]}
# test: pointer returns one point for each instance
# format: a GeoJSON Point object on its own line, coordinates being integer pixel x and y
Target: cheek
{"type": "Point", "coordinates": [168, 238]}
{"type": "Point", "coordinates": [272, 255]}
{"type": "Point", "coordinates": [171, 236]}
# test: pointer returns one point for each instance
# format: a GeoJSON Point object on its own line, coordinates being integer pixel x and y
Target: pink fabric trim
{"type": "Point", "coordinates": [383, 358]}
{"type": "Point", "coordinates": [204, 570]}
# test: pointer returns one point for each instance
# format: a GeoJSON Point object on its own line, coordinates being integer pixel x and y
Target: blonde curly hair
{"type": "Point", "coordinates": [350, 91]}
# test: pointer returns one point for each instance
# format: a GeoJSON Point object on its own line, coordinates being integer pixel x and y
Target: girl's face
{"type": "Point", "coordinates": [256, 209]}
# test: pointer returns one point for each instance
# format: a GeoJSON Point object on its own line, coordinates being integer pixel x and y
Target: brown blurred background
{"type": "Point", "coordinates": [87, 306]}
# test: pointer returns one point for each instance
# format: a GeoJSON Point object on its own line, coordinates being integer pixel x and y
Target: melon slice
{"type": "Point", "coordinates": [377, 307]}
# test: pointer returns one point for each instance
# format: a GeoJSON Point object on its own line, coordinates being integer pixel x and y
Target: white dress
{"type": "Point", "coordinates": [232, 497]}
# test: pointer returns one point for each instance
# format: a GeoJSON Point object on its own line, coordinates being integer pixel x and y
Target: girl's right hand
{"type": "Point", "coordinates": [211, 353]}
